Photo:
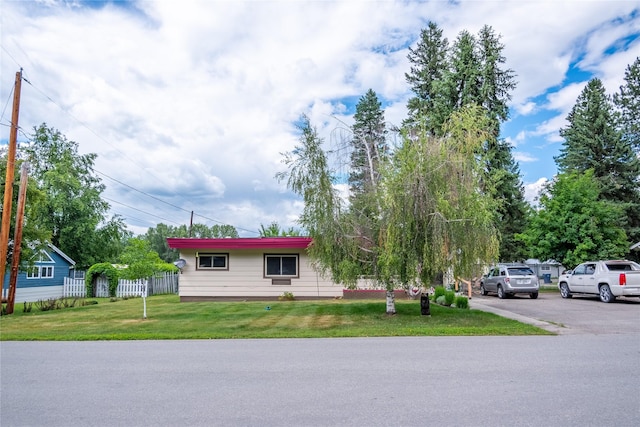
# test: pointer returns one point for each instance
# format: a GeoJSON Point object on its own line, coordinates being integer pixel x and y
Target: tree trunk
{"type": "Point", "coordinates": [391, 302]}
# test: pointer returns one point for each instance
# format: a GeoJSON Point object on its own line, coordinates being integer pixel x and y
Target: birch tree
{"type": "Point", "coordinates": [430, 214]}
{"type": "Point", "coordinates": [435, 217]}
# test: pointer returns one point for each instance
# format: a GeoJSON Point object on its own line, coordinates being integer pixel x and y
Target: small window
{"type": "Point", "coordinates": [46, 272]}
{"type": "Point", "coordinates": [281, 265]}
{"type": "Point", "coordinates": [33, 273]}
{"type": "Point", "coordinates": [212, 262]}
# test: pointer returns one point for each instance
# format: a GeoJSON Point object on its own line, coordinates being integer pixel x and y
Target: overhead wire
{"type": "Point", "coordinates": [86, 126]}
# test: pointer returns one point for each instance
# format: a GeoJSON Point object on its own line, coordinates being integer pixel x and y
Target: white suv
{"type": "Point", "coordinates": [510, 279]}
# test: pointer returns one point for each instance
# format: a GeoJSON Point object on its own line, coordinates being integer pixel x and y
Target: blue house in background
{"type": "Point", "coordinates": [44, 279]}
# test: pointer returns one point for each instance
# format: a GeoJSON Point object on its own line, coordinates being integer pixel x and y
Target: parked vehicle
{"type": "Point", "coordinates": [607, 279]}
{"type": "Point", "coordinates": [509, 279]}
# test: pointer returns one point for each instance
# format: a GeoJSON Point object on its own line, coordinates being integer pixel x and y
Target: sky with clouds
{"type": "Point", "coordinates": [190, 104]}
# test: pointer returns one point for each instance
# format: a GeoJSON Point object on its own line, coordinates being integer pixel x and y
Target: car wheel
{"type": "Point", "coordinates": [483, 291]}
{"type": "Point", "coordinates": [501, 293]}
{"type": "Point", "coordinates": [533, 295]}
{"type": "Point", "coordinates": [564, 290]}
{"type": "Point", "coordinates": [605, 294]}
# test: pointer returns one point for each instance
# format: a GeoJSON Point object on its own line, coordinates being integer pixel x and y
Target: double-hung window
{"type": "Point", "coordinates": [281, 266]}
{"type": "Point", "coordinates": [212, 261]}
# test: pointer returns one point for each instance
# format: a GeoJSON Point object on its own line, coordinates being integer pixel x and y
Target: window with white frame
{"type": "Point", "coordinates": [212, 261]}
{"type": "Point", "coordinates": [281, 266]}
{"type": "Point", "coordinates": [40, 272]}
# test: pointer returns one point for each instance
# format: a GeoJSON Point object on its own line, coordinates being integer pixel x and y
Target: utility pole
{"type": "Point", "coordinates": [8, 186]}
{"type": "Point", "coordinates": [17, 239]}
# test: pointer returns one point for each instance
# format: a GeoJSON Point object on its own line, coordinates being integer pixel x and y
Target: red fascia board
{"type": "Point", "coordinates": [240, 243]}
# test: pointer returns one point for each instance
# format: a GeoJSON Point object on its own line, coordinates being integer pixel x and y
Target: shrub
{"type": "Point", "coordinates": [106, 269]}
{"type": "Point", "coordinates": [440, 300]}
{"type": "Point", "coordinates": [286, 296]}
{"type": "Point", "coordinates": [27, 307]}
{"type": "Point", "coordinates": [462, 302]}
{"type": "Point", "coordinates": [47, 305]}
{"type": "Point", "coordinates": [438, 291]}
{"type": "Point", "coordinates": [449, 297]}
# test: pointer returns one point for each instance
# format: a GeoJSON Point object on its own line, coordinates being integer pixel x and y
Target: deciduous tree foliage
{"type": "Point", "coordinates": [431, 214]}
{"type": "Point", "coordinates": [471, 72]}
{"type": "Point", "coordinates": [574, 224]}
{"type": "Point", "coordinates": [141, 261]}
{"type": "Point", "coordinates": [73, 210]}
{"type": "Point", "coordinates": [34, 237]}
{"type": "Point", "coordinates": [434, 217]}
{"type": "Point", "coordinates": [157, 236]}
{"type": "Point", "coordinates": [274, 230]}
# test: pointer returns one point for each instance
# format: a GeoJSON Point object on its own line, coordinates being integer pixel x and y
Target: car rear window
{"type": "Point", "coordinates": [520, 272]}
{"type": "Point", "coordinates": [621, 267]}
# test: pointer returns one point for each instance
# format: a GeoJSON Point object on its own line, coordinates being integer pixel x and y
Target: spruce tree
{"type": "Point", "coordinates": [428, 65]}
{"type": "Point", "coordinates": [472, 71]}
{"type": "Point", "coordinates": [369, 145]}
{"type": "Point", "coordinates": [628, 103]}
{"type": "Point", "coordinates": [592, 141]}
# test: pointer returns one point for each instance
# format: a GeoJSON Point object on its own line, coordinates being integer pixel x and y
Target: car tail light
{"type": "Point", "coordinates": [506, 280]}
{"type": "Point", "coordinates": [623, 279]}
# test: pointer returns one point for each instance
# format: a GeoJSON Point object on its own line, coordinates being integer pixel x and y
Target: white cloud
{"type": "Point", "coordinates": [194, 101]}
{"type": "Point", "coordinates": [525, 108]}
{"type": "Point", "coordinates": [523, 157]}
{"type": "Point", "coordinates": [532, 190]}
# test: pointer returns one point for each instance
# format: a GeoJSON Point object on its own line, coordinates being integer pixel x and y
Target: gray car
{"type": "Point", "coordinates": [509, 279]}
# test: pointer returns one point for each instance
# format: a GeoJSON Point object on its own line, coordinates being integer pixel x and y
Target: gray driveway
{"type": "Point", "coordinates": [577, 315]}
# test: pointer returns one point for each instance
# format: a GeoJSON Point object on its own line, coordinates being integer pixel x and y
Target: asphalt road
{"type": "Point", "coordinates": [583, 378]}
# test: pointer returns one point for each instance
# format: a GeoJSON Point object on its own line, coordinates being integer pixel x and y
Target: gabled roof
{"type": "Point", "coordinates": [62, 254]}
{"type": "Point", "coordinates": [240, 243]}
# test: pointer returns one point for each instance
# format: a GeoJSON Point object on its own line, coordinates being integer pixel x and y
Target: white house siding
{"type": "Point", "coordinates": [34, 294]}
{"type": "Point", "coordinates": [245, 278]}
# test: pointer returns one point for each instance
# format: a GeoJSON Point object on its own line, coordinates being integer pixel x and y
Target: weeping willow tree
{"type": "Point", "coordinates": [430, 212]}
{"type": "Point", "coordinates": [436, 216]}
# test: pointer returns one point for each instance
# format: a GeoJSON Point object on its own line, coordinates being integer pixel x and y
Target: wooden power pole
{"type": "Point", "coordinates": [17, 239]}
{"type": "Point", "coordinates": [8, 185]}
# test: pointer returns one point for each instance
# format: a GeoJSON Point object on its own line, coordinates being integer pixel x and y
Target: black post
{"type": "Point", "coordinates": [424, 304]}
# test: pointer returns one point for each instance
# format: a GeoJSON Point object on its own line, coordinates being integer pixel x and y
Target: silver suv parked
{"type": "Point", "coordinates": [510, 279]}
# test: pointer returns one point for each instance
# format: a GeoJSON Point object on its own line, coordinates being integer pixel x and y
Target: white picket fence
{"type": "Point", "coordinates": [166, 283]}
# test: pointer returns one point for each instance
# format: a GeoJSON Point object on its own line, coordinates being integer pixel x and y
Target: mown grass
{"type": "Point", "coordinates": [167, 318]}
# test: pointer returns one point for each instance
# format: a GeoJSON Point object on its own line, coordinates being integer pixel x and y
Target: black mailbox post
{"type": "Point", "coordinates": [424, 304]}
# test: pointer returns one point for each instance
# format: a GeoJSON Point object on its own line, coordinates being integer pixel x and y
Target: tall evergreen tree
{"type": "Point", "coordinates": [593, 142]}
{"type": "Point", "coordinates": [428, 64]}
{"type": "Point", "coordinates": [473, 72]}
{"type": "Point", "coordinates": [496, 82]}
{"type": "Point", "coordinates": [369, 146]}
{"type": "Point", "coordinates": [506, 187]}
{"type": "Point", "coordinates": [628, 103]}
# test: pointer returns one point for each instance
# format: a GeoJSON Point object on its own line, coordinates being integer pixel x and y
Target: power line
{"type": "Point", "coordinates": [140, 210]}
{"type": "Point", "coordinates": [126, 157]}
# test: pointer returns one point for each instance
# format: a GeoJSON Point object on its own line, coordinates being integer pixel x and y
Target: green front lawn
{"type": "Point", "coordinates": [167, 318]}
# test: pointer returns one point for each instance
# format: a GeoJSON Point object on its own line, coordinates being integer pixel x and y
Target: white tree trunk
{"type": "Point", "coordinates": [391, 302]}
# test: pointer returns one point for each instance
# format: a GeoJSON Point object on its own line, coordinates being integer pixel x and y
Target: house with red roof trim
{"type": "Point", "coordinates": [236, 269]}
